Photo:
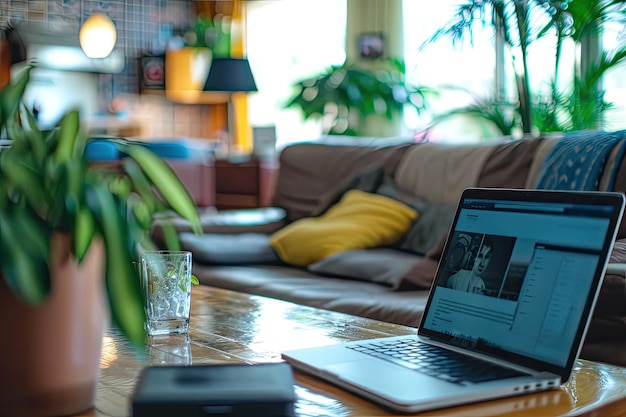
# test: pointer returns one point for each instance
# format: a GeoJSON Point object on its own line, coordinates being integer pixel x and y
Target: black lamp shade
{"type": "Point", "coordinates": [230, 75]}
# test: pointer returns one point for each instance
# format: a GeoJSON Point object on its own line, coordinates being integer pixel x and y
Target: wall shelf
{"type": "Point", "coordinates": [196, 97]}
{"type": "Point", "coordinates": [186, 70]}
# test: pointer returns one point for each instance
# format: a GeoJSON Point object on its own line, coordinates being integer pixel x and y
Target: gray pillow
{"type": "Point", "coordinates": [367, 180]}
{"type": "Point", "coordinates": [618, 255]}
{"type": "Point", "coordinates": [227, 249]}
{"type": "Point", "coordinates": [433, 220]}
{"type": "Point", "coordinates": [382, 265]}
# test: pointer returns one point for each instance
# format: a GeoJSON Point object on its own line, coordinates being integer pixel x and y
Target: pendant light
{"type": "Point", "coordinates": [98, 36]}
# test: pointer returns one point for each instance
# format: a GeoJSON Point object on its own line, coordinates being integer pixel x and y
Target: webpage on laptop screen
{"type": "Point", "coordinates": [517, 275]}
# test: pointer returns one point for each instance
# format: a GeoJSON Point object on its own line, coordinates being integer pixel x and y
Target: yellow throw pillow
{"type": "Point", "coordinates": [359, 220]}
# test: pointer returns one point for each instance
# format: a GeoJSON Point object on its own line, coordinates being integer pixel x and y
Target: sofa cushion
{"type": "Point", "coordinates": [359, 220]}
{"type": "Point", "coordinates": [618, 254]}
{"type": "Point", "coordinates": [304, 183]}
{"type": "Point", "coordinates": [440, 172]}
{"type": "Point", "coordinates": [383, 266]}
{"type": "Point", "coordinates": [264, 220]}
{"type": "Point", "coordinates": [226, 249]}
{"type": "Point", "coordinates": [422, 274]}
{"type": "Point", "coordinates": [168, 150]}
{"type": "Point", "coordinates": [510, 164]}
{"type": "Point", "coordinates": [101, 150]}
{"type": "Point", "coordinates": [432, 224]}
{"type": "Point", "coordinates": [367, 180]}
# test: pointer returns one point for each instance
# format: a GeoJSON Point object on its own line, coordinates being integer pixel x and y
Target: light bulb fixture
{"type": "Point", "coordinates": [98, 36]}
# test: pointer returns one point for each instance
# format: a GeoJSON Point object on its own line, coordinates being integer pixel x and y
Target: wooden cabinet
{"type": "Point", "coordinates": [244, 185]}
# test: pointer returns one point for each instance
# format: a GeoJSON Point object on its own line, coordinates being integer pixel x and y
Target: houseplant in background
{"type": "Point", "coordinates": [187, 61]}
{"type": "Point", "coordinates": [574, 105]}
{"type": "Point", "coordinates": [353, 99]}
{"type": "Point", "coordinates": [212, 33]}
{"type": "Point", "coordinates": [68, 236]}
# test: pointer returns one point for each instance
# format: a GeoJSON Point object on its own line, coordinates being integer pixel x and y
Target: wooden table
{"type": "Point", "coordinates": [229, 327]}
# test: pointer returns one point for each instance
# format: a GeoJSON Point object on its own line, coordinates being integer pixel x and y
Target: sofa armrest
{"type": "Point", "coordinates": [616, 269]}
{"type": "Point", "coordinates": [264, 220]}
{"type": "Point", "coordinates": [610, 303]}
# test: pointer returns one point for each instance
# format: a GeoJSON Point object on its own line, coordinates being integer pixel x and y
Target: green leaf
{"type": "Point", "coordinates": [75, 179]}
{"type": "Point", "coordinates": [56, 185]}
{"type": "Point", "coordinates": [141, 211]}
{"type": "Point", "coordinates": [121, 186]}
{"type": "Point", "coordinates": [140, 184]}
{"type": "Point", "coordinates": [122, 280]}
{"type": "Point", "coordinates": [35, 138]}
{"type": "Point", "coordinates": [25, 261]}
{"type": "Point", "coordinates": [51, 140]}
{"type": "Point", "coordinates": [68, 136]}
{"type": "Point", "coordinates": [24, 275]}
{"type": "Point", "coordinates": [34, 233]}
{"type": "Point", "coordinates": [167, 182]}
{"type": "Point", "coordinates": [11, 97]}
{"type": "Point", "coordinates": [24, 178]}
{"type": "Point", "coordinates": [170, 235]}
{"type": "Point", "coordinates": [84, 232]}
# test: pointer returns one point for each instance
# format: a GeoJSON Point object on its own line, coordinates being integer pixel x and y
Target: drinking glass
{"type": "Point", "coordinates": [166, 279]}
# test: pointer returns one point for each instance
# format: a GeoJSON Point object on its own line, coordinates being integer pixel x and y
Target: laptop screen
{"type": "Point", "coordinates": [520, 272]}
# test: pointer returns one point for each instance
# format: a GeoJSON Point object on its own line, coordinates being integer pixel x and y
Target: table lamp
{"type": "Point", "coordinates": [230, 75]}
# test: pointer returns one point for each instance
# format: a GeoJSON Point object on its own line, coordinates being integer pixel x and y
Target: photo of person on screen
{"type": "Point", "coordinates": [471, 280]}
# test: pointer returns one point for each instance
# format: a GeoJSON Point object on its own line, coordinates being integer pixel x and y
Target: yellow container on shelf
{"type": "Point", "coordinates": [186, 70]}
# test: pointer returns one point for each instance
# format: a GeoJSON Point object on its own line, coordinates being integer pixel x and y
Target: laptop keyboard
{"type": "Point", "coordinates": [437, 362]}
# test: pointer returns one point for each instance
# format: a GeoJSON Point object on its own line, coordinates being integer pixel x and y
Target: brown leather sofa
{"type": "Point", "coordinates": [390, 283]}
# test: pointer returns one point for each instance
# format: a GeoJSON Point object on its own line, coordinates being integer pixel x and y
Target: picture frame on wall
{"type": "Point", "coordinates": [152, 72]}
{"type": "Point", "coordinates": [371, 45]}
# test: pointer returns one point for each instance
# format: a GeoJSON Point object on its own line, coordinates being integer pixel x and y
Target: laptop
{"type": "Point", "coordinates": [507, 311]}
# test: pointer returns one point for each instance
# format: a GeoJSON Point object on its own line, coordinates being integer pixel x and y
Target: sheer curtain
{"type": "Point", "coordinates": [441, 65]}
{"type": "Point", "coordinates": [614, 36]}
{"type": "Point", "coordinates": [288, 40]}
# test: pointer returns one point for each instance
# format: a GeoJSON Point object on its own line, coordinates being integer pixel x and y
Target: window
{"type": "Point", "coordinates": [291, 39]}
{"type": "Point", "coordinates": [614, 37]}
{"type": "Point", "coordinates": [283, 47]}
{"type": "Point", "coordinates": [447, 68]}
{"type": "Point", "coordinates": [288, 40]}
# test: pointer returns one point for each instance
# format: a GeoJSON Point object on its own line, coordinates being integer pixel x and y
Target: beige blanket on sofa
{"type": "Point", "coordinates": [439, 173]}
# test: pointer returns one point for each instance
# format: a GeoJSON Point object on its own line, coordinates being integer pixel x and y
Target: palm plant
{"type": "Point", "coordinates": [496, 112]}
{"type": "Point", "coordinates": [579, 105]}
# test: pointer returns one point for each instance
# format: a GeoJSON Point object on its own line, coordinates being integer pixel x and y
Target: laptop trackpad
{"type": "Point", "coordinates": [390, 380]}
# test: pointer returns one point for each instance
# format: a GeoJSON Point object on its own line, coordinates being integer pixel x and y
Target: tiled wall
{"type": "Point", "coordinates": [159, 118]}
{"type": "Point", "coordinates": [143, 27]}
{"type": "Point", "coordinates": [138, 22]}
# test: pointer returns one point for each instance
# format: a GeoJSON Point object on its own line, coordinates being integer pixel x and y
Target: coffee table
{"type": "Point", "coordinates": [231, 327]}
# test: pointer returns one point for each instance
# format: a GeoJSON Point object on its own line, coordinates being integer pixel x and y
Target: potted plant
{"type": "Point", "coordinates": [349, 97]}
{"type": "Point", "coordinates": [578, 104]}
{"type": "Point", "coordinates": [68, 237]}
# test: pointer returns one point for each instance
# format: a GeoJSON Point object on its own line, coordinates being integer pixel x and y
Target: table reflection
{"type": "Point", "coordinates": [228, 327]}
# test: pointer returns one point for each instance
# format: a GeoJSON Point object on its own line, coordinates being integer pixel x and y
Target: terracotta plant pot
{"type": "Point", "coordinates": [50, 353]}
